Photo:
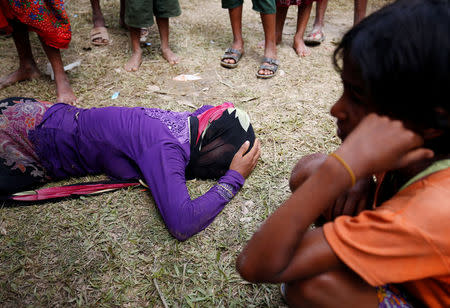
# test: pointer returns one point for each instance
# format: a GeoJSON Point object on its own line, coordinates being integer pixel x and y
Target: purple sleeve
{"type": "Point", "coordinates": [163, 167]}
{"type": "Point", "coordinates": [201, 110]}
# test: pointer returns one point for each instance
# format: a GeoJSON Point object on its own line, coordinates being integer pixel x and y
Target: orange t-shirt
{"type": "Point", "coordinates": [405, 240]}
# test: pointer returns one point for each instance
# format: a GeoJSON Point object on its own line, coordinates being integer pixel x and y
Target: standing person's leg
{"type": "Point", "coordinates": [135, 60]}
{"type": "Point", "coordinates": [27, 66]}
{"type": "Point", "coordinates": [99, 34]}
{"type": "Point", "coordinates": [279, 22]}
{"type": "Point", "coordinates": [270, 47]}
{"type": "Point", "coordinates": [163, 10]}
{"type": "Point", "coordinates": [64, 92]}
{"type": "Point", "coordinates": [232, 55]}
{"type": "Point", "coordinates": [316, 36]}
{"type": "Point", "coordinates": [138, 14]}
{"type": "Point", "coordinates": [304, 10]}
{"type": "Point", "coordinates": [359, 11]}
{"type": "Point", "coordinates": [163, 27]}
{"type": "Point", "coordinates": [122, 14]}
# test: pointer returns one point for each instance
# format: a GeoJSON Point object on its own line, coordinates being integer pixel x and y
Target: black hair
{"type": "Point", "coordinates": [402, 53]}
{"type": "Point", "coordinates": [211, 156]}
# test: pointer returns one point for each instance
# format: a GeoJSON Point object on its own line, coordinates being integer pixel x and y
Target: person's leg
{"type": "Point", "coordinates": [279, 22]}
{"type": "Point", "coordinates": [64, 92]}
{"type": "Point", "coordinates": [99, 34]}
{"type": "Point", "coordinates": [97, 16]}
{"type": "Point", "coordinates": [27, 66]}
{"type": "Point", "coordinates": [122, 14]}
{"type": "Point", "coordinates": [304, 10]}
{"type": "Point", "coordinates": [316, 35]}
{"type": "Point", "coordinates": [359, 11]}
{"type": "Point", "coordinates": [270, 47]}
{"type": "Point", "coordinates": [163, 27]}
{"type": "Point", "coordinates": [334, 289]}
{"type": "Point", "coordinates": [135, 60]}
{"type": "Point", "coordinates": [236, 27]}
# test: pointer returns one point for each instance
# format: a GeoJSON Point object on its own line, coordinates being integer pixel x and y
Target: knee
{"type": "Point", "coordinates": [311, 292]}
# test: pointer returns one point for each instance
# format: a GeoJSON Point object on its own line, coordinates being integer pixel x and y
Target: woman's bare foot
{"type": "Point", "coordinates": [300, 48]}
{"type": "Point", "coordinates": [170, 56]}
{"type": "Point", "coordinates": [64, 92]}
{"type": "Point", "coordinates": [23, 73]}
{"type": "Point", "coordinates": [134, 62]}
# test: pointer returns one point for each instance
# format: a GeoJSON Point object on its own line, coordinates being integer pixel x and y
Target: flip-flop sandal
{"type": "Point", "coordinates": [231, 53]}
{"type": "Point", "coordinates": [271, 66]}
{"type": "Point", "coordinates": [99, 36]}
{"type": "Point", "coordinates": [314, 38]}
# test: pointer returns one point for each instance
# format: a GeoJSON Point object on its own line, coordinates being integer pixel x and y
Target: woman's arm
{"type": "Point", "coordinates": [163, 167]}
{"type": "Point", "coordinates": [283, 249]}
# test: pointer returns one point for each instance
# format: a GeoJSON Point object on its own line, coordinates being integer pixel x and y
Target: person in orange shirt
{"type": "Point", "coordinates": [385, 244]}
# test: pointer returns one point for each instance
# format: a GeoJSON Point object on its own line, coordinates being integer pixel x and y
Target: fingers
{"type": "Point", "coordinates": [415, 156]}
{"type": "Point", "coordinates": [244, 148]}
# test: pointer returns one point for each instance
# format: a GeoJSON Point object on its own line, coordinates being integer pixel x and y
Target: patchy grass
{"type": "Point", "coordinates": [113, 249]}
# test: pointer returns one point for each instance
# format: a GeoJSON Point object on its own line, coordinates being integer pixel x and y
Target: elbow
{"type": "Point", "coordinates": [180, 229]}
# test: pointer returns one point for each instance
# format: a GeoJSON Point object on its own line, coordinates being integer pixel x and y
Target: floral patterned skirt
{"type": "Point", "coordinates": [19, 165]}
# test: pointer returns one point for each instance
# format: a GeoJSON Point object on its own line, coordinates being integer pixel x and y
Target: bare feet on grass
{"type": "Point", "coordinates": [300, 48]}
{"type": "Point", "coordinates": [23, 73]}
{"type": "Point", "coordinates": [134, 62]}
{"type": "Point", "coordinates": [64, 92]}
{"type": "Point", "coordinates": [170, 56]}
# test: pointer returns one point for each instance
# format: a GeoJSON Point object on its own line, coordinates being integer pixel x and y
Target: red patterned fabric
{"type": "Point", "coordinates": [293, 2]}
{"type": "Point", "coordinates": [48, 18]}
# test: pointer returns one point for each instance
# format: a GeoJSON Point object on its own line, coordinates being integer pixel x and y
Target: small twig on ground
{"type": "Point", "coordinates": [223, 82]}
{"type": "Point", "coordinates": [160, 294]}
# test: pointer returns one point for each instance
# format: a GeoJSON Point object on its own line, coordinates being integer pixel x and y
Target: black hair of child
{"type": "Point", "coordinates": [402, 53]}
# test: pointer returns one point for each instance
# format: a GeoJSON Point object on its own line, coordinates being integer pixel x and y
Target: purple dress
{"type": "Point", "coordinates": [133, 143]}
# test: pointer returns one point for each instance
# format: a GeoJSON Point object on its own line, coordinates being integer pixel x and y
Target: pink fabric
{"type": "Point", "coordinates": [210, 115]}
{"type": "Point", "coordinates": [65, 191]}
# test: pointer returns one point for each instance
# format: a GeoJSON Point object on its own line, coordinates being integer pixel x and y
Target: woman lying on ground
{"type": "Point", "coordinates": [41, 142]}
{"type": "Point", "coordinates": [394, 120]}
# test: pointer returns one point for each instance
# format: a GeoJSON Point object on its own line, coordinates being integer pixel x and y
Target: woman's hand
{"type": "Point", "coordinates": [244, 164]}
{"type": "Point", "coordinates": [380, 144]}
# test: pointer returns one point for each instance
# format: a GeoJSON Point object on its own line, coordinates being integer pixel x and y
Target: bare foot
{"type": "Point", "coordinates": [64, 92]}
{"type": "Point", "coordinates": [301, 49]}
{"type": "Point", "coordinates": [134, 62]}
{"type": "Point", "coordinates": [170, 56]}
{"type": "Point", "coordinates": [23, 73]}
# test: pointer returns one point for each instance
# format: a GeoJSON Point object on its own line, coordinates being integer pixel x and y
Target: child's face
{"type": "Point", "coordinates": [353, 105]}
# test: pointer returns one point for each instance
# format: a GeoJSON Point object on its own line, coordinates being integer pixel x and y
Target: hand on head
{"type": "Point", "coordinates": [380, 144]}
{"type": "Point", "coordinates": [245, 163]}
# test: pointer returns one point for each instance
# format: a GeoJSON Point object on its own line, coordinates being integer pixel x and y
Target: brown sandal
{"type": "Point", "coordinates": [99, 36]}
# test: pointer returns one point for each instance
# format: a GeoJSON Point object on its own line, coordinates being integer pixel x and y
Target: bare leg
{"type": "Point", "coordinates": [97, 16]}
{"type": "Point", "coordinates": [64, 92]}
{"type": "Point", "coordinates": [334, 289]}
{"type": "Point", "coordinates": [236, 27]}
{"type": "Point", "coordinates": [135, 61]}
{"type": "Point", "coordinates": [321, 7]}
{"type": "Point", "coordinates": [163, 27]}
{"type": "Point", "coordinates": [360, 11]}
{"type": "Point", "coordinates": [304, 10]}
{"type": "Point", "coordinates": [27, 66]}
{"type": "Point", "coordinates": [279, 23]}
{"type": "Point", "coordinates": [122, 14]}
{"type": "Point", "coordinates": [270, 47]}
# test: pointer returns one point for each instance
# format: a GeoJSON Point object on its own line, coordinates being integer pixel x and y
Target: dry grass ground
{"type": "Point", "coordinates": [113, 249]}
